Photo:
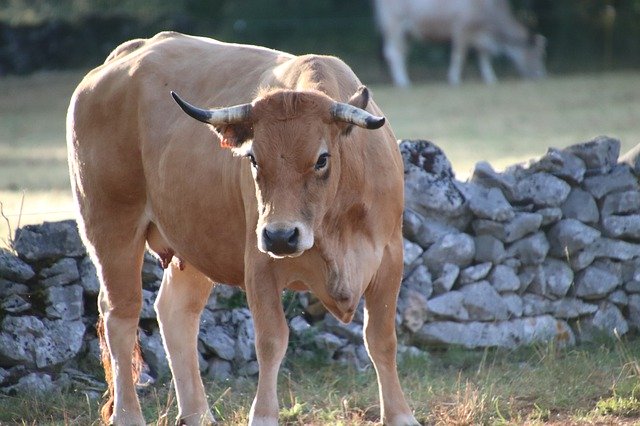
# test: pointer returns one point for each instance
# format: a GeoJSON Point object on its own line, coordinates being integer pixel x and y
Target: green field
{"type": "Point", "coordinates": [503, 124]}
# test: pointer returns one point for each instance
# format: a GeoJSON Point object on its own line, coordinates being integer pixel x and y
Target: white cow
{"type": "Point", "coordinates": [485, 25]}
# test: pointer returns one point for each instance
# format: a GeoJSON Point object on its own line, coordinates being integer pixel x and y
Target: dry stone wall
{"type": "Point", "coordinates": [548, 251]}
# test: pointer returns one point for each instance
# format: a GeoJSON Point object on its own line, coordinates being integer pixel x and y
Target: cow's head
{"type": "Point", "coordinates": [529, 56]}
{"type": "Point", "coordinates": [291, 139]}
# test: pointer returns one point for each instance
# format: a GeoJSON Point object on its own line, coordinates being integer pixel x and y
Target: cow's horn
{"type": "Point", "coordinates": [354, 115]}
{"type": "Point", "coordinates": [215, 117]}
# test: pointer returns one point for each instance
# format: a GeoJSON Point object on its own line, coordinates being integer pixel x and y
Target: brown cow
{"type": "Point", "coordinates": [315, 204]}
{"type": "Point", "coordinates": [485, 25]}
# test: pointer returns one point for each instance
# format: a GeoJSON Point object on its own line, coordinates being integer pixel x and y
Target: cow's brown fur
{"type": "Point", "coordinates": [143, 172]}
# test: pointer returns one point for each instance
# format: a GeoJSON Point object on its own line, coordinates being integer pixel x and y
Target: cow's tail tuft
{"type": "Point", "coordinates": [136, 365]}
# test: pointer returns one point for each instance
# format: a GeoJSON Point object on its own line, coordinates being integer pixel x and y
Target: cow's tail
{"type": "Point", "coordinates": [136, 364]}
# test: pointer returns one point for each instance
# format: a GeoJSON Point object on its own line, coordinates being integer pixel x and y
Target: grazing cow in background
{"type": "Point", "coordinates": [487, 26]}
{"type": "Point", "coordinates": [312, 200]}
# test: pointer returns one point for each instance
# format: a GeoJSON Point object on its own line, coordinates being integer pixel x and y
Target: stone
{"type": "Point", "coordinates": [522, 224]}
{"type": "Point", "coordinates": [148, 299]}
{"type": "Point", "coordinates": [619, 297]}
{"type": "Point", "coordinates": [447, 278]}
{"type": "Point", "coordinates": [37, 383]}
{"type": "Point", "coordinates": [620, 179]}
{"type": "Point", "coordinates": [607, 319]}
{"type": "Point", "coordinates": [29, 341]}
{"type": "Point", "coordinates": [219, 370]}
{"type": "Point", "coordinates": [65, 302]}
{"type": "Point", "coordinates": [8, 288]}
{"type": "Point", "coordinates": [600, 154]}
{"type": "Point", "coordinates": [615, 249]}
{"type": "Point", "coordinates": [483, 303]}
{"type": "Point", "coordinates": [449, 306]}
{"type": "Point", "coordinates": [328, 342]}
{"type": "Point", "coordinates": [541, 189]}
{"type": "Point", "coordinates": [504, 278]}
{"type": "Point", "coordinates": [550, 215]}
{"type": "Point", "coordinates": [298, 325]}
{"type": "Point", "coordinates": [514, 303]}
{"type": "Point", "coordinates": [412, 251]}
{"type": "Point", "coordinates": [562, 164]}
{"type": "Point", "coordinates": [484, 175]}
{"type": "Point", "coordinates": [580, 205]}
{"type": "Point", "coordinates": [432, 231]}
{"type": "Point", "coordinates": [415, 312]}
{"type": "Point", "coordinates": [49, 241]}
{"type": "Point", "coordinates": [534, 305]}
{"type": "Point", "coordinates": [632, 287]}
{"type": "Point", "coordinates": [621, 203]}
{"type": "Point", "coordinates": [89, 277]}
{"type": "Point", "coordinates": [507, 334]}
{"type": "Point", "coordinates": [569, 236]}
{"type": "Point", "coordinates": [558, 277]}
{"type": "Point", "coordinates": [12, 268]}
{"type": "Point", "coordinates": [216, 340]}
{"type": "Point", "coordinates": [489, 249]}
{"type": "Point", "coordinates": [567, 308]}
{"type": "Point", "coordinates": [624, 227]}
{"type": "Point", "coordinates": [420, 280]}
{"type": "Point", "coordinates": [245, 347]}
{"type": "Point", "coordinates": [14, 304]}
{"type": "Point", "coordinates": [634, 311]}
{"type": "Point", "coordinates": [488, 203]}
{"type": "Point", "coordinates": [595, 283]}
{"type": "Point", "coordinates": [153, 353]}
{"type": "Point", "coordinates": [411, 224]}
{"type": "Point", "coordinates": [64, 271]}
{"type": "Point", "coordinates": [475, 273]}
{"type": "Point", "coordinates": [352, 331]}
{"type": "Point", "coordinates": [531, 250]}
{"type": "Point", "coordinates": [457, 249]}
{"type": "Point", "coordinates": [152, 272]}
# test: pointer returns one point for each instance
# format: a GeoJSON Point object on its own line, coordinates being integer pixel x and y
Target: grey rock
{"type": "Point", "coordinates": [615, 249]}
{"type": "Point", "coordinates": [458, 249]}
{"type": "Point", "coordinates": [415, 312]}
{"type": "Point", "coordinates": [531, 250]}
{"type": "Point", "coordinates": [49, 241]}
{"type": "Point", "coordinates": [534, 305]}
{"type": "Point", "coordinates": [216, 340]}
{"type": "Point", "coordinates": [483, 303]}
{"type": "Point", "coordinates": [583, 258]}
{"type": "Point", "coordinates": [634, 311]}
{"type": "Point", "coordinates": [622, 226]}
{"type": "Point", "coordinates": [37, 383]}
{"type": "Point", "coordinates": [14, 304]}
{"type": "Point", "coordinates": [411, 224]}
{"type": "Point", "coordinates": [420, 281]}
{"type": "Point", "coordinates": [620, 179]}
{"type": "Point", "coordinates": [541, 189]}
{"type": "Point", "coordinates": [619, 297]}
{"type": "Point", "coordinates": [152, 272]}
{"type": "Point", "coordinates": [412, 251]}
{"type": "Point", "coordinates": [488, 203]}
{"type": "Point", "coordinates": [8, 288]}
{"type": "Point", "coordinates": [447, 278]}
{"type": "Point", "coordinates": [432, 231]}
{"type": "Point", "coordinates": [571, 308]}
{"type": "Point", "coordinates": [558, 277]}
{"type": "Point", "coordinates": [504, 278]}
{"type": "Point", "coordinates": [154, 354]}
{"type": "Point", "coordinates": [621, 203]}
{"type": "Point", "coordinates": [508, 232]}
{"type": "Point", "coordinates": [89, 277]}
{"type": "Point", "coordinates": [148, 299]}
{"type": "Point", "coordinates": [508, 334]}
{"type": "Point", "coordinates": [299, 325]}
{"type": "Point", "coordinates": [249, 369]}
{"type": "Point", "coordinates": [352, 331]}
{"type": "Point", "coordinates": [538, 280]}
{"type": "Point", "coordinates": [632, 287]}
{"type": "Point", "coordinates": [329, 342]}
{"type": "Point", "coordinates": [12, 268]}
{"type": "Point", "coordinates": [550, 215]}
{"type": "Point", "coordinates": [562, 164]}
{"type": "Point", "coordinates": [599, 154]}
{"type": "Point", "coordinates": [632, 158]}
{"type": "Point", "coordinates": [245, 340]}
{"type": "Point", "coordinates": [219, 370]}
{"type": "Point", "coordinates": [484, 175]}
{"type": "Point", "coordinates": [449, 306]}
{"type": "Point", "coordinates": [65, 302]}
{"type": "Point", "coordinates": [527, 276]}
{"type": "Point", "coordinates": [475, 273]}
{"type": "Point", "coordinates": [595, 283]}
{"type": "Point", "coordinates": [489, 249]}
{"type": "Point", "coordinates": [569, 236]}
{"type": "Point", "coordinates": [63, 272]}
{"type": "Point", "coordinates": [580, 205]}
{"type": "Point", "coordinates": [514, 303]}
{"type": "Point", "coordinates": [608, 319]}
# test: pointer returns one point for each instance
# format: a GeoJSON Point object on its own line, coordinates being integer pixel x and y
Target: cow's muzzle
{"type": "Point", "coordinates": [283, 241]}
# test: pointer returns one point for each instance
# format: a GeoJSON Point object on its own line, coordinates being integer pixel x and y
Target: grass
{"type": "Point", "coordinates": [586, 385]}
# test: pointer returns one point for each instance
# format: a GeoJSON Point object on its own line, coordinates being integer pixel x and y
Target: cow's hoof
{"type": "Point", "coordinates": [263, 421]}
{"type": "Point", "coordinates": [404, 420]}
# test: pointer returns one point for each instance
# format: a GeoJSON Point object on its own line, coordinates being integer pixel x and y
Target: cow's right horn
{"type": "Point", "coordinates": [215, 117]}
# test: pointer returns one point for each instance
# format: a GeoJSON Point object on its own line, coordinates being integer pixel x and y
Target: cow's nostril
{"type": "Point", "coordinates": [281, 241]}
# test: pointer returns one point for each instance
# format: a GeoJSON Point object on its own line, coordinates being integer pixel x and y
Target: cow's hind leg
{"type": "Point", "coordinates": [182, 298]}
{"type": "Point", "coordinates": [117, 248]}
{"type": "Point", "coordinates": [380, 337]}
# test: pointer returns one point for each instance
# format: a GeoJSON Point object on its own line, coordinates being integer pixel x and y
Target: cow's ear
{"type": "Point", "coordinates": [360, 99]}
{"type": "Point", "coordinates": [234, 135]}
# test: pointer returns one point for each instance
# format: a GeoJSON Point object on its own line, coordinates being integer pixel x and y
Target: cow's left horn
{"type": "Point", "coordinates": [354, 115]}
{"type": "Point", "coordinates": [215, 117]}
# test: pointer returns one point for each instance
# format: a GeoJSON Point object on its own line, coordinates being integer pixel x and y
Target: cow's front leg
{"type": "Point", "coordinates": [183, 295]}
{"type": "Point", "coordinates": [272, 336]}
{"type": "Point", "coordinates": [486, 69]}
{"type": "Point", "coordinates": [380, 337]}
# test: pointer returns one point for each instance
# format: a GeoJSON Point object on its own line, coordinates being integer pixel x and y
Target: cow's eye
{"type": "Point", "coordinates": [322, 161]}
{"type": "Point", "coordinates": [252, 159]}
